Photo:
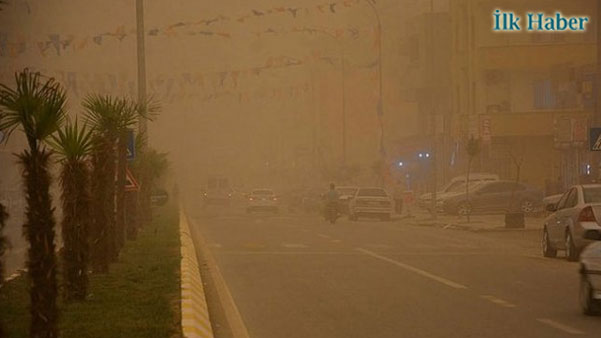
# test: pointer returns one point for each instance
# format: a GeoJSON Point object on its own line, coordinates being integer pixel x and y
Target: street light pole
{"type": "Point", "coordinates": [142, 123]}
{"type": "Point", "coordinates": [380, 100]}
{"type": "Point", "coordinates": [343, 109]}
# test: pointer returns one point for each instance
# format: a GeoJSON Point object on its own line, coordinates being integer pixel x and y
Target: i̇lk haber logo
{"type": "Point", "coordinates": [540, 22]}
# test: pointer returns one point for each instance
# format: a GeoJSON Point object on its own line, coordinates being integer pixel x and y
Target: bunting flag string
{"type": "Point", "coordinates": [57, 42]}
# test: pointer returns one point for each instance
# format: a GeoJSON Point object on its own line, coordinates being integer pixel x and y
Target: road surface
{"type": "Point", "coordinates": [296, 276]}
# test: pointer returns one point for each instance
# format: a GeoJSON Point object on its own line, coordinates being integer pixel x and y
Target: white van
{"type": "Point", "coordinates": [455, 185]}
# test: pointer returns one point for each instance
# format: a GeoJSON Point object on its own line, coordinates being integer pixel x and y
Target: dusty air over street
{"type": "Point", "coordinates": [300, 169]}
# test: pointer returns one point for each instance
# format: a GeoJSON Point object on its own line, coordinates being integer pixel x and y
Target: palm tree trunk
{"type": "Point", "coordinates": [131, 217]}
{"type": "Point", "coordinates": [76, 215]}
{"type": "Point", "coordinates": [101, 184]}
{"type": "Point", "coordinates": [39, 230]}
{"type": "Point", "coordinates": [144, 205]}
{"type": "Point", "coordinates": [121, 206]}
{"type": "Point", "coordinates": [3, 244]}
{"type": "Point", "coordinates": [109, 203]}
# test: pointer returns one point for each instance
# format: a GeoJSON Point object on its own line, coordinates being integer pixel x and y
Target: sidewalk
{"type": "Point", "coordinates": [478, 223]}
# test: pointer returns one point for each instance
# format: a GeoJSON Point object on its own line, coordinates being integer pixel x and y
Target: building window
{"type": "Point", "coordinates": [544, 97]}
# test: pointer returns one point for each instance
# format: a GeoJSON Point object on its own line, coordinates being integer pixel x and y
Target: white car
{"type": "Point", "coordinates": [590, 274]}
{"type": "Point", "coordinates": [262, 200]}
{"type": "Point", "coordinates": [578, 210]}
{"type": "Point", "coordinates": [456, 184]}
{"type": "Point", "coordinates": [370, 202]}
{"type": "Point", "coordinates": [345, 195]}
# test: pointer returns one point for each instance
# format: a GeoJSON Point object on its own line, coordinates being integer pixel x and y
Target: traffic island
{"type": "Point", "coordinates": [139, 297]}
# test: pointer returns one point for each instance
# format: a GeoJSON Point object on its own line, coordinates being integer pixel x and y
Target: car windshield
{"type": "Point", "coordinates": [262, 192]}
{"type": "Point", "coordinates": [346, 191]}
{"type": "Point", "coordinates": [375, 192]}
{"type": "Point", "coordinates": [592, 195]}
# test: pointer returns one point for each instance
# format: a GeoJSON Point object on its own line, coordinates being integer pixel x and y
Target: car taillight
{"type": "Point", "coordinates": [587, 215]}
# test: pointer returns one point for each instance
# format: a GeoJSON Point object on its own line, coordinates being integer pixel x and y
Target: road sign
{"type": "Point", "coordinates": [595, 139]}
{"type": "Point", "coordinates": [131, 144]}
{"type": "Point", "coordinates": [130, 182]}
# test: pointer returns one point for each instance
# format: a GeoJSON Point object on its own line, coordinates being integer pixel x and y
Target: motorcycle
{"type": "Point", "coordinates": [331, 213]}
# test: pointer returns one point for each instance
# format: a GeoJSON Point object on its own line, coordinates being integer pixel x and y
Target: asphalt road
{"type": "Point", "coordinates": [298, 276]}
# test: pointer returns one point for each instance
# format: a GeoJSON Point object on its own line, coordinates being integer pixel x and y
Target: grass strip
{"type": "Point", "coordinates": [140, 297]}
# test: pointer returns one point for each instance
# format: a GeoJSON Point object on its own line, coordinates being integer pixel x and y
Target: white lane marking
{"type": "Point", "coordinates": [215, 245]}
{"type": "Point", "coordinates": [341, 253]}
{"type": "Point", "coordinates": [560, 326]}
{"type": "Point", "coordinates": [294, 245]}
{"type": "Point", "coordinates": [323, 236]}
{"type": "Point", "coordinates": [336, 241]}
{"type": "Point", "coordinates": [418, 271]}
{"type": "Point", "coordinates": [497, 301]}
{"type": "Point", "coordinates": [379, 246]}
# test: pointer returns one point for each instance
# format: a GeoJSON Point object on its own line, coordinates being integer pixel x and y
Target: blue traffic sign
{"type": "Point", "coordinates": [131, 144]}
{"type": "Point", "coordinates": [595, 139]}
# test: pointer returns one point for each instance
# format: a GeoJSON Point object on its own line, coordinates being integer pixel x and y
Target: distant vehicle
{"type": "Point", "coordinates": [218, 191]}
{"type": "Point", "coordinates": [578, 210]}
{"type": "Point", "coordinates": [454, 185]}
{"type": "Point", "coordinates": [494, 197]}
{"type": "Point", "coordinates": [590, 274]}
{"type": "Point", "coordinates": [262, 200]}
{"type": "Point", "coordinates": [370, 202]}
{"type": "Point", "coordinates": [345, 195]}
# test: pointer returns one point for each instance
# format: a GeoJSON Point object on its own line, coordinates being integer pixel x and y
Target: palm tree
{"type": "Point", "coordinates": [36, 105]}
{"type": "Point", "coordinates": [101, 115]}
{"type": "Point", "coordinates": [110, 118]}
{"type": "Point", "coordinates": [128, 117]}
{"type": "Point", "coordinates": [74, 145]}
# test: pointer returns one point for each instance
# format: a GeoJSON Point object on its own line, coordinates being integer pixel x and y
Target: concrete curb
{"type": "Point", "coordinates": [195, 313]}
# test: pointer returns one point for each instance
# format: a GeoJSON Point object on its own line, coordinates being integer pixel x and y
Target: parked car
{"type": "Point", "coordinates": [262, 200]}
{"type": "Point", "coordinates": [578, 210]}
{"type": "Point", "coordinates": [590, 274]}
{"type": "Point", "coordinates": [370, 202]}
{"type": "Point", "coordinates": [454, 185]}
{"type": "Point", "coordinates": [345, 195]}
{"type": "Point", "coordinates": [551, 199]}
{"type": "Point", "coordinates": [494, 197]}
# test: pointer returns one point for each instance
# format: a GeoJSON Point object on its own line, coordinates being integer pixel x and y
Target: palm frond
{"type": "Point", "coordinates": [37, 106]}
{"type": "Point", "coordinates": [111, 114]}
{"type": "Point", "coordinates": [72, 142]}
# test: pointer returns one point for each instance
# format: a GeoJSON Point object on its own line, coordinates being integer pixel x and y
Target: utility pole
{"type": "Point", "coordinates": [380, 106]}
{"type": "Point", "coordinates": [597, 95]}
{"type": "Point", "coordinates": [142, 122]}
{"type": "Point", "coordinates": [343, 109]}
{"type": "Point", "coordinates": [433, 109]}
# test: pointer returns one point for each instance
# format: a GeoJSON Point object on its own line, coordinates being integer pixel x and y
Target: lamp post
{"type": "Point", "coordinates": [343, 98]}
{"type": "Point", "coordinates": [380, 106]}
{"type": "Point", "coordinates": [142, 123]}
